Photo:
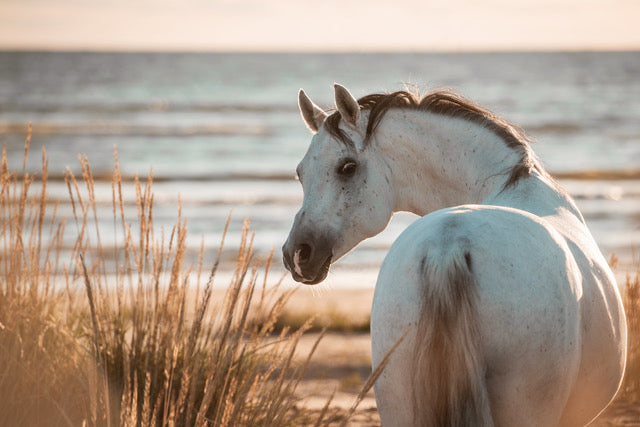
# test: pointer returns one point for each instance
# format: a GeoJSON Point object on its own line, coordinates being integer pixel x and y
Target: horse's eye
{"type": "Point", "coordinates": [348, 168]}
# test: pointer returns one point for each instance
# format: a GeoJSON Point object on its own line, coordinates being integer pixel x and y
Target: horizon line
{"type": "Point", "coordinates": [488, 50]}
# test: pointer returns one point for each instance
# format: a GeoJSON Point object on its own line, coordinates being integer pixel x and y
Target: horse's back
{"type": "Point", "coordinates": [526, 290]}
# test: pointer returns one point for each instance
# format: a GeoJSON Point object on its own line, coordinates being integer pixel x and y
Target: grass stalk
{"type": "Point", "coordinates": [147, 345]}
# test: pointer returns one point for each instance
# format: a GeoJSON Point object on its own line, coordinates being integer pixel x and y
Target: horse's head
{"type": "Point", "coordinates": [347, 188]}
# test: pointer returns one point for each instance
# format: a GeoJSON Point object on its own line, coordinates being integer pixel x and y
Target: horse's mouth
{"type": "Point", "coordinates": [319, 277]}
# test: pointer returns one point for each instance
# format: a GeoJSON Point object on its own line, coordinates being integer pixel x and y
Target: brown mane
{"type": "Point", "coordinates": [450, 104]}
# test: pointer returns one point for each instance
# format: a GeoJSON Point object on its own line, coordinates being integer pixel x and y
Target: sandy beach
{"type": "Point", "coordinates": [342, 361]}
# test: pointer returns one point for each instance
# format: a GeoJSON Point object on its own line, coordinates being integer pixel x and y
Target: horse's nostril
{"type": "Point", "coordinates": [304, 252]}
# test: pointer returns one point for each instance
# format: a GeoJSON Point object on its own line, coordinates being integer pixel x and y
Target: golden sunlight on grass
{"type": "Point", "coordinates": [625, 408]}
{"type": "Point", "coordinates": [144, 343]}
{"type": "Point", "coordinates": [630, 390]}
{"type": "Point", "coordinates": [631, 386]}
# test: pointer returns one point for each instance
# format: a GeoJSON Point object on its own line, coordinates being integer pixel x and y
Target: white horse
{"type": "Point", "coordinates": [514, 316]}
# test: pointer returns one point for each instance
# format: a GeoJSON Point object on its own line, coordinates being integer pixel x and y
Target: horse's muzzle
{"type": "Point", "coordinates": [308, 261]}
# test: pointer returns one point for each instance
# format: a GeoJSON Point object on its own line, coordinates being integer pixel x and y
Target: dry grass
{"type": "Point", "coordinates": [146, 344]}
{"type": "Point", "coordinates": [625, 408]}
{"type": "Point", "coordinates": [331, 321]}
{"type": "Point", "coordinates": [630, 390]}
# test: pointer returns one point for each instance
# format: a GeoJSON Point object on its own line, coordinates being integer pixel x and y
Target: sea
{"type": "Point", "coordinates": [221, 133]}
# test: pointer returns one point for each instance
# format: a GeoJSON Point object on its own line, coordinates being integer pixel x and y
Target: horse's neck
{"type": "Point", "coordinates": [438, 162]}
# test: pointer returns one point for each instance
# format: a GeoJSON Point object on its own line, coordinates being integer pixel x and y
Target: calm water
{"type": "Point", "coordinates": [223, 131]}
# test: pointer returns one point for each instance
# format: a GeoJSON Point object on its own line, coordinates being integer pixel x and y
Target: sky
{"type": "Point", "coordinates": [326, 25]}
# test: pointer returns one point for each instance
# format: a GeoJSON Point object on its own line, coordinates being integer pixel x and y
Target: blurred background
{"type": "Point", "coordinates": [204, 93]}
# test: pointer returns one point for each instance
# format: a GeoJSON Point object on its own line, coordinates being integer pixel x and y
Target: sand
{"type": "Point", "coordinates": [342, 361]}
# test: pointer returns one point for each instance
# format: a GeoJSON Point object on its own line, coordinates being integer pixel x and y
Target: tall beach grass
{"type": "Point", "coordinates": [132, 334]}
{"type": "Point", "coordinates": [630, 390]}
{"type": "Point", "coordinates": [625, 408]}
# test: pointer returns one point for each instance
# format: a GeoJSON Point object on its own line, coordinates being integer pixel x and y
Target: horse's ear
{"type": "Point", "coordinates": [347, 105]}
{"type": "Point", "coordinates": [312, 115]}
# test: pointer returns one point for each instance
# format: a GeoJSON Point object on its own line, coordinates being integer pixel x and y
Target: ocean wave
{"type": "Point", "coordinates": [209, 177]}
{"type": "Point", "coordinates": [126, 129]}
{"type": "Point", "coordinates": [159, 105]}
{"type": "Point", "coordinates": [600, 175]}
{"type": "Point", "coordinates": [556, 128]}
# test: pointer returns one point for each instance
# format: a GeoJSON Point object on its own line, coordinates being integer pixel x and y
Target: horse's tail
{"type": "Point", "coordinates": [451, 387]}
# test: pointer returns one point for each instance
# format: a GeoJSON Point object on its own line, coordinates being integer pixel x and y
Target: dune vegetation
{"type": "Point", "coordinates": [133, 334]}
{"type": "Point", "coordinates": [630, 390]}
